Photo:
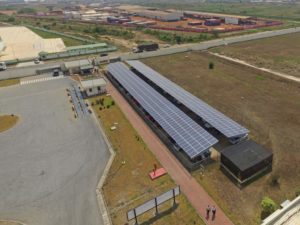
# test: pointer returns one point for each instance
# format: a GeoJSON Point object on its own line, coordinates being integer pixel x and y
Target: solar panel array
{"type": "Point", "coordinates": [189, 136]}
{"type": "Point", "coordinates": [218, 120]}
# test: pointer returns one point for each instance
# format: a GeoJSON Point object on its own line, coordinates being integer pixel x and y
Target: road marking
{"type": "Point", "coordinates": [24, 82]}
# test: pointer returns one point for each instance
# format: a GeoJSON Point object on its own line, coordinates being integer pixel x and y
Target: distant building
{"type": "Point", "coordinates": [93, 87]}
{"type": "Point", "coordinates": [212, 22]}
{"type": "Point", "coordinates": [226, 18]}
{"type": "Point", "coordinates": [160, 15]}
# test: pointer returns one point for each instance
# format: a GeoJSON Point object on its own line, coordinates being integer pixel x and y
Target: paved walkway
{"type": "Point", "coordinates": [189, 186]}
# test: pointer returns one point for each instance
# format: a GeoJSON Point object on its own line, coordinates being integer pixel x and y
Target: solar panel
{"type": "Point", "coordinates": [218, 120]}
{"type": "Point", "coordinates": [189, 136]}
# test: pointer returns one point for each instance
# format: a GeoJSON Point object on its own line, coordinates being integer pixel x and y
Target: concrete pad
{"type": "Point", "coordinates": [22, 43]}
{"type": "Point", "coordinates": [50, 163]}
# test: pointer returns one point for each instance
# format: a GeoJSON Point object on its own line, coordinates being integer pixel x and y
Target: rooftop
{"type": "Point", "coordinates": [246, 154]}
{"type": "Point", "coordinates": [216, 14]}
{"type": "Point", "coordinates": [78, 63]}
{"type": "Point", "coordinates": [93, 83]}
{"type": "Point", "coordinates": [98, 45]}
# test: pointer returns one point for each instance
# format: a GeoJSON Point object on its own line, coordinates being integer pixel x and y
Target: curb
{"type": "Point", "coordinates": [13, 221]}
{"type": "Point", "coordinates": [101, 201]}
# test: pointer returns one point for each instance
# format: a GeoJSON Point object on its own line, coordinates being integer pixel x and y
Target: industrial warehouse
{"type": "Point", "coordinates": [186, 124]}
{"type": "Point", "coordinates": [171, 19]}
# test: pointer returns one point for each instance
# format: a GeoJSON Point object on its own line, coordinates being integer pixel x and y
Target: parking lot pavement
{"type": "Point", "coordinates": [50, 162]}
{"type": "Point", "coordinates": [40, 78]}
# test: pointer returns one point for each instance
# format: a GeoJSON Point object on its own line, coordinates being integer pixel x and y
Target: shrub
{"type": "Point", "coordinates": [268, 206]}
{"type": "Point", "coordinates": [275, 180]}
{"type": "Point", "coordinates": [211, 65]}
{"type": "Point", "coordinates": [112, 102]}
{"type": "Point", "coordinates": [297, 193]}
{"type": "Point", "coordinates": [11, 19]}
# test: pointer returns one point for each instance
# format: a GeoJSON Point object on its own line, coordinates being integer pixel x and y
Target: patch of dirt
{"type": "Point", "coordinates": [10, 223]}
{"type": "Point", "coordinates": [7, 122]}
{"type": "Point", "coordinates": [280, 53]}
{"type": "Point", "coordinates": [267, 105]}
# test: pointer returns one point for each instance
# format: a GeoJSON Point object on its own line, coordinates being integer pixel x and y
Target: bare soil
{"type": "Point", "coordinates": [7, 122]}
{"type": "Point", "coordinates": [280, 53]}
{"type": "Point", "coordinates": [267, 105]}
{"type": "Point", "coordinates": [9, 82]}
{"type": "Point", "coordinates": [128, 184]}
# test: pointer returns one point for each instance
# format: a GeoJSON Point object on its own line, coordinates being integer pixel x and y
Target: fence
{"type": "Point", "coordinates": [65, 54]}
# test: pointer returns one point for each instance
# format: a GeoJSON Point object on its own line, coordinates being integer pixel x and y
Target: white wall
{"type": "Point", "coordinates": [231, 20]}
{"type": "Point", "coordinates": [94, 91]}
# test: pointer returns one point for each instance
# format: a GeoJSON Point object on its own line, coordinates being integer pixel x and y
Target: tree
{"type": "Point", "coordinates": [215, 34]}
{"type": "Point", "coordinates": [297, 193]}
{"type": "Point", "coordinates": [11, 19]}
{"type": "Point", "coordinates": [178, 39]}
{"type": "Point", "coordinates": [27, 11]}
{"type": "Point", "coordinates": [268, 206]}
{"type": "Point", "coordinates": [211, 65]}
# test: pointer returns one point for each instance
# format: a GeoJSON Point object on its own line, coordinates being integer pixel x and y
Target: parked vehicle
{"type": "Point", "coordinates": [36, 61]}
{"type": "Point", "coordinates": [103, 54]}
{"type": "Point", "coordinates": [56, 73]}
{"type": "Point", "coordinates": [146, 47]}
{"type": "Point", "coordinates": [3, 66]}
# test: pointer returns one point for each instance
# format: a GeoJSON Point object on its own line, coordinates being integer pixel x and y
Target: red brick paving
{"type": "Point", "coordinates": [189, 186]}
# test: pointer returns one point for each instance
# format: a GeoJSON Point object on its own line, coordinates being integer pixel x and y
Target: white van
{"type": "Point", "coordinates": [2, 66]}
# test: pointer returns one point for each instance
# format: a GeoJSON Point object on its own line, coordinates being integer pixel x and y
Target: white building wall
{"type": "Point", "coordinates": [159, 16]}
{"type": "Point", "coordinates": [95, 90]}
{"type": "Point", "coordinates": [231, 20]}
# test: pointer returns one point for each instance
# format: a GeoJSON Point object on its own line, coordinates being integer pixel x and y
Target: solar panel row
{"type": "Point", "coordinates": [218, 120]}
{"type": "Point", "coordinates": [189, 136]}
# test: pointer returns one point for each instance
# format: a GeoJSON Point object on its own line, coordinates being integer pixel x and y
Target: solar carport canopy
{"type": "Point", "coordinates": [189, 136]}
{"type": "Point", "coordinates": [218, 120]}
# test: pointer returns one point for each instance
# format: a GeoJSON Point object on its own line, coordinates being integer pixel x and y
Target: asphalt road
{"type": "Point", "coordinates": [50, 163]}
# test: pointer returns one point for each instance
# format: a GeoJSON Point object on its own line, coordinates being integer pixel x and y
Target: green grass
{"type": "Point", "coordinates": [7, 122]}
{"type": "Point", "coordinates": [128, 184]}
{"type": "Point", "coordinates": [68, 41]}
{"type": "Point", "coordinates": [9, 82]}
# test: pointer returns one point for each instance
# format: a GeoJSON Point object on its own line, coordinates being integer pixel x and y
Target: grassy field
{"type": "Point", "coordinates": [7, 122]}
{"type": "Point", "coordinates": [280, 53]}
{"type": "Point", "coordinates": [68, 41]}
{"type": "Point", "coordinates": [9, 82]}
{"type": "Point", "coordinates": [128, 183]}
{"type": "Point", "coordinates": [268, 106]}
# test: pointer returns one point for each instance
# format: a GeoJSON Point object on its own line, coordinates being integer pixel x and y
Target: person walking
{"type": "Point", "coordinates": [213, 210]}
{"type": "Point", "coordinates": [207, 212]}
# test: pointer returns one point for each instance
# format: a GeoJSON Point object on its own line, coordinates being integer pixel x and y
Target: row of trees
{"type": "Point", "coordinates": [177, 38]}
{"type": "Point", "coordinates": [101, 30]}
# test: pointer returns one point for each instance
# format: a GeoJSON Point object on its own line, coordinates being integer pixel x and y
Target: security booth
{"type": "Point", "coordinates": [246, 161]}
{"type": "Point", "coordinates": [82, 66]}
{"type": "Point", "coordinates": [93, 87]}
{"type": "Point", "coordinates": [86, 69]}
